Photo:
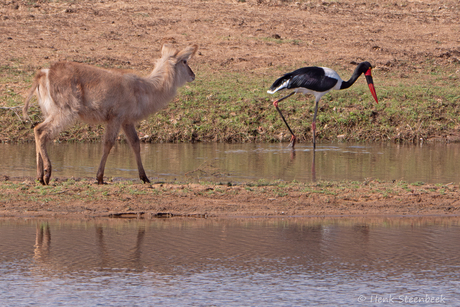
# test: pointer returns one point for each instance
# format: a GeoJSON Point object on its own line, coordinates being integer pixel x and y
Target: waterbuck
{"type": "Point", "coordinates": [69, 91]}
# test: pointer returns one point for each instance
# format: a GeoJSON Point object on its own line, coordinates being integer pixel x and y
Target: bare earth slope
{"type": "Point", "coordinates": [232, 35]}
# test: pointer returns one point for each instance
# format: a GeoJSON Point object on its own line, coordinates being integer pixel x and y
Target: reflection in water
{"type": "Point", "coordinates": [133, 256]}
{"type": "Point", "coordinates": [431, 163]}
{"type": "Point", "coordinates": [42, 243]}
{"type": "Point", "coordinates": [102, 250]}
{"type": "Point", "coordinates": [313, 168]}
{"type": "Point", "coordinates": [257, 262]}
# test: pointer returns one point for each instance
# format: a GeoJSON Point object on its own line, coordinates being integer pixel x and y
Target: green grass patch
{"type": "Point", "coordinates": [229, 106]}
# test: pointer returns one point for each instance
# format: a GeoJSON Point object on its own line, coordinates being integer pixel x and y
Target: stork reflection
{"type": "Point", "coordinates": [313, 168]}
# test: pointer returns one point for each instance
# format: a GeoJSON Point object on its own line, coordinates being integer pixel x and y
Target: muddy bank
{"type": "Point", "coordinates": [82, 198]}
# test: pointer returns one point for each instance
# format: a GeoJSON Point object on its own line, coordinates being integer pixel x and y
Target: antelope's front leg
{"type": "Point", "coordinates": [133, 139]}
{"type": "Point", "coordinates": [110, 136]}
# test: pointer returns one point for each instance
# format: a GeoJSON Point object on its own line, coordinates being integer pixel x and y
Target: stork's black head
{"type": "Point", "coordinates": [365, 68]}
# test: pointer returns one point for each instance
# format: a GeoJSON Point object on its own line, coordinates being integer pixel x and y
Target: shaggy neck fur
{"type": "Point", "coordinates": [163, 76]}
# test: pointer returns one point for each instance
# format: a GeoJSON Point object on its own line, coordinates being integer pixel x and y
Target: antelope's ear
{"type": "Point", "coordinates": [187, 53]}
{"type": "Point", "coordinates": [168, 51]}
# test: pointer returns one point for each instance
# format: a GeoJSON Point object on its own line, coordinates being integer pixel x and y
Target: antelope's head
{"type": "Point", "coordinates": [183, 72]}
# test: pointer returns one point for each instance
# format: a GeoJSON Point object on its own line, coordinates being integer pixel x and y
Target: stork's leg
{"type": "Point", "coordinates": [292, 143]}
{"type": "Point", "coordinates": [275, 103]}
{"type": "Point", "coordinates": [313, 125]}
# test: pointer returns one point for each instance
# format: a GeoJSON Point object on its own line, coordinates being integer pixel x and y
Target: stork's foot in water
{"type": "Point", "coordinates": [292, 143]}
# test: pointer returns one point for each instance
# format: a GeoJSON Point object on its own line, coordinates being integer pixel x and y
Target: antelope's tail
{"type": "Point", "coordinates": [25, 116]}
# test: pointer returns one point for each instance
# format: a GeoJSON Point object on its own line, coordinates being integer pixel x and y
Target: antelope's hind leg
{"type": "Point", "coordinates": [42, 135]}
{"type": "Point", "coordinates": [40, 172]}
{"type": "Point", "coordinates": [45, 132]}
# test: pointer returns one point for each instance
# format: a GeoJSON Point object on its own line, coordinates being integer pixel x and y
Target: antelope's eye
{"type": "Point", "coordinates": [185, 62]}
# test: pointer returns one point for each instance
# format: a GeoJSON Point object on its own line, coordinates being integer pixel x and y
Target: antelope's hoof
{"type": "Point", "coordinates": [46, 179]}
{"type": "Point", "coordinates": [100, 180]}
{"type": "Point", "coordinates": [143, 177]}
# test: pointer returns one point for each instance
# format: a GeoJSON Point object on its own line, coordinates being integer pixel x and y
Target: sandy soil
{"type": "Point", "coordinates": [254, 35]}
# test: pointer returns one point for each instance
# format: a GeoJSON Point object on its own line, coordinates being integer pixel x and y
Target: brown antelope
{"type": "Point", "coordinates": [69, 91]}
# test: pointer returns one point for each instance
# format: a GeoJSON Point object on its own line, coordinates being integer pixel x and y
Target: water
{"type": "Point", "coordinates": [430, 163]}
{"type": "Point", "coordinates": [229, 262]}
{"type": "Point", "coordinates": [235, 262]}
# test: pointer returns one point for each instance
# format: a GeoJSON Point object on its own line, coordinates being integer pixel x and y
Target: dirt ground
{"type": "Point", "coordinates": [396, 36]}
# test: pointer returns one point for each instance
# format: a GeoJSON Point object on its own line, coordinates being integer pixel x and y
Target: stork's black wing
{"type": "Point", "coordinates": [312, 78]}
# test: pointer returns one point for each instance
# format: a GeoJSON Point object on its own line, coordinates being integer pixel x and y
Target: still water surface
{"type": "Point", "coordinates": [430, 163]}
{"type": "Point", "coordinates": [211, 262]}
{"type": "Point", "coordinates": [250, 262]}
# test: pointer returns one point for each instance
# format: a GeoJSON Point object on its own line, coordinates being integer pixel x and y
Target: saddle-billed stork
{"type": "Point", "coordinates": [317, 81]}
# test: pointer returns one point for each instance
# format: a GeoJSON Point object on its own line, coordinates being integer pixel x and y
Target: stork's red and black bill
{"type": "Point", "coordinates": [370, 82]}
